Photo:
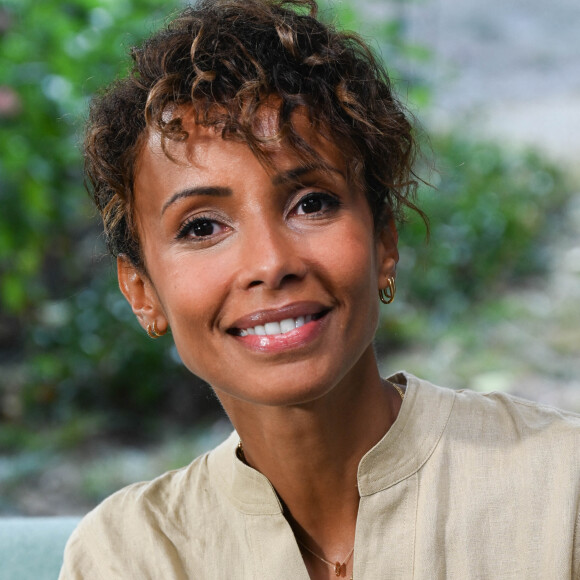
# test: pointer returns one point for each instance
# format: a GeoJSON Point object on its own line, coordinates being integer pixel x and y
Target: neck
{"type": "Point", "coordinates": [310, 453]}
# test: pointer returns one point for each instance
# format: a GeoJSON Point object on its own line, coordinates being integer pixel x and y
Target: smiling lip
{"type": "Point", "coordinates": [282, 328]}
{"type": "Point", "coordinates": [277, 315]}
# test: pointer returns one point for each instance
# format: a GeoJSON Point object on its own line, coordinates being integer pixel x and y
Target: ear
{"type": "Point", "coordinates": [387, 251]}
{"type": "Point", "coordinates": [141, 295]}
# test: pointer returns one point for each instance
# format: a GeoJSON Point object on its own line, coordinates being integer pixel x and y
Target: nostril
{"type": "Point", "coordinates": [290, 278]}
{"type": "Point", "coordinates": [284, 280]}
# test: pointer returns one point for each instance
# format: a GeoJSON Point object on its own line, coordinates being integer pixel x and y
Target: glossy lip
{"type": "Point", "coordinates": [292, 340]}
{"type": "Point", "coordinates": [262, 317]}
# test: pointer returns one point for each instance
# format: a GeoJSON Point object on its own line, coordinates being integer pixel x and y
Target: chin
{"type": "Point", "coordinates": [279, 392]}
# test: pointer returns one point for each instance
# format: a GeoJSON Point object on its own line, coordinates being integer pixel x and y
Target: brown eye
{"type": "Point", "coordinates": [200, 227]}
{"type": "Point", "coordinates": [314, 203]}
{"type": "Point", "coordinates": [311, 205]}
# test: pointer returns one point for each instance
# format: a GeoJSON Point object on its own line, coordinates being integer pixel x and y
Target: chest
{"type": "Point", "coordinates": [419, 529]}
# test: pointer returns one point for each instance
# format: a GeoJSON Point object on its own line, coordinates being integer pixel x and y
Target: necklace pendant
{"type": "Point", "coordinates": [338, 568]}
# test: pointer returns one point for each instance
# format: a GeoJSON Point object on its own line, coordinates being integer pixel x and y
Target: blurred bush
{"type": "Point", "coordinates": [68, 343]}
{"type": "Point", "coordinates": [71, 353]}
{"type": "Point", "coordinates": [492, 212]}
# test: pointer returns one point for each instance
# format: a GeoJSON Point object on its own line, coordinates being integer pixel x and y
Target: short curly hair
{"type": "Point", "coordinates": [225, 59]}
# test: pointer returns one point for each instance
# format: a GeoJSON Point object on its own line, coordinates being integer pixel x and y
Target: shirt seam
{"type": "Point", "coordinates": [535, 405]}
{"type": "Point", "coordinates": [427, 455]}
{"type": "Point", "coordinates": [575, 543]}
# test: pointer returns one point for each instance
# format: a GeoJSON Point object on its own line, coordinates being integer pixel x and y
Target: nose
{"type": "Point", "coordinates": [271, 259]}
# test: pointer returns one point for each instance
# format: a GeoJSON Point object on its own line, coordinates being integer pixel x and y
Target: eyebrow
{"type": "Point", "coordinates": [213, 191]}
{"type": "Point", "coordinates": [295, 174]}
{"type": "Point", "coordinates": [220, 191]}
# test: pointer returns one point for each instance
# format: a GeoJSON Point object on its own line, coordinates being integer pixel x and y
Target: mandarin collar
{"type": "Point", "coordinates": [412, 438]}
{"type": "Point", "coordinates": [401, 452]}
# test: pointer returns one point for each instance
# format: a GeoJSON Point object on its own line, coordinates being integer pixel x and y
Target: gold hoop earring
{"type": "Point", "coordinates": [153, 331]}
{"type": "Point", "coordinates": [387, 295]}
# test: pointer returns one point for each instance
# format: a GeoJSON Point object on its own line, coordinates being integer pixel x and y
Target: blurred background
{"type": "Point", "coordinates": [88, 403]}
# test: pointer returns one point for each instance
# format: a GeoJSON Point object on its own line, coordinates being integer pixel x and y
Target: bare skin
{"type": "Point", "coordinates": [229, 247]}
{"type": "Point", "coordinates": [313, 465]}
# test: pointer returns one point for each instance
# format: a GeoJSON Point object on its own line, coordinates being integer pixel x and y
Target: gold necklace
{"type": "Point", "coordinates": [339, 568]}
{"type": "Point", "coordinates": [398, 389]}
{"type": "Point", "coordinates": [240, 452]}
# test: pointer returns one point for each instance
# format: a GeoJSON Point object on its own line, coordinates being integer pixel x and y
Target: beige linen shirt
{"type": "Point", "coordinates": [463, 486]}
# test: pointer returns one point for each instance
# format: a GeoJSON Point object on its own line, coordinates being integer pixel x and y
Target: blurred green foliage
{"type": "Point", "coordinates": [54, 56]}
{"type": "Point", "coordinates": [71, 352]}
{"type": "Point", "coordinates": [492, 213]}
{"type": "Point", "coordinates": [68, 342]}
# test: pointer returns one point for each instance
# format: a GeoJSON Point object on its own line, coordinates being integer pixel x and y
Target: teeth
{"type": "Point", "coordinates": [287, 325]}
{"type": "Point", "coordinates": [282, 327]}
{"type": "Point", "coordinates": [272, 328]}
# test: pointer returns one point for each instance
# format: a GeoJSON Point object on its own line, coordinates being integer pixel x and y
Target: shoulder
{"type": "Point", "coordinates": [152, 500]}
{"type": "Point", "coordinates": [494, 421]}
{"type": "Point", "coordinates": [148, 518]}
{"type": "Point", "coordinates": [514, 417]}
{"type": "Point", "coordinates": [496, 409]}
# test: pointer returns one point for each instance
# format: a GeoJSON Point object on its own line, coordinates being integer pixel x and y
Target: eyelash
{"type": "Point", "coordinates": [188, 226]}
{"type": "Point", "coordinates": [331, 202]}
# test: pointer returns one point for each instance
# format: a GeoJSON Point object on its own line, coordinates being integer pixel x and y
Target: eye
{"type": "Point", "coordinates": [316, 203]}
{"type": "Point", "coordinates": [200, 228]}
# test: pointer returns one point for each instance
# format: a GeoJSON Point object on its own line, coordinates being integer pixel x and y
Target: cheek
{"type": "Point", "coordinates": [350, 262]}
{"type": "Point", "coordinates": [190, 282]}
{"type": "Point", "coordinates": [352, 254]}
{"type": "Point", "coordinates": [191, 295]}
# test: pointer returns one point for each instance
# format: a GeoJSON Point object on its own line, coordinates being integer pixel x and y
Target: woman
{"type": "Point", "coordinates": [249, 173]}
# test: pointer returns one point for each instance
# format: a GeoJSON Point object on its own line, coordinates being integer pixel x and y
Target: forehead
{"type": "Point", "coordinates": [206, 148]}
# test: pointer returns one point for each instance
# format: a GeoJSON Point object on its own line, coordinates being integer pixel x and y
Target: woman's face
{"type": "Point", "coordinates": [268, 278]}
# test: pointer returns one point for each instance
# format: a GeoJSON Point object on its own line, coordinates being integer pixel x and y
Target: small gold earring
{"type": "Point", "coordinates": [387, 295]}
{"type": "Point", "coordinates": [153, 331]}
